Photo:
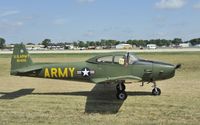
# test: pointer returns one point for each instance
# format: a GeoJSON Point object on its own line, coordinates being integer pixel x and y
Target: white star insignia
{"type": "Point", "coordinates": [85, 72]}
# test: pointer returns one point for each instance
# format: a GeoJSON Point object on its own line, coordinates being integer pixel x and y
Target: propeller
{"type": "Point", "coordinates": [178, 66]}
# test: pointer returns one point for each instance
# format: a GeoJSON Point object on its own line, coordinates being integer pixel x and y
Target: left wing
{"type": "Point", "coordinates": [106, 79]}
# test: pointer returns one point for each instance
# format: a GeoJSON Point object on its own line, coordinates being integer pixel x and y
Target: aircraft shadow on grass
{"type": "Point", "coordinates": [16, 94]}
{"type": "Point", "coordinates": [101, 99]}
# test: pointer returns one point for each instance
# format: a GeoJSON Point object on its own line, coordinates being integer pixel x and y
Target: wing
{"type": "Point", "coordinates": [106, 79]}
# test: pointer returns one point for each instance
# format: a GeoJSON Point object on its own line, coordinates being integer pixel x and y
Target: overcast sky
{"type": "Point", "coordinates": [69, 20]}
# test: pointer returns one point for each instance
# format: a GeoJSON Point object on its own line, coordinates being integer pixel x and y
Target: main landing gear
{"type": "Point", "coordinates": [121, 93]}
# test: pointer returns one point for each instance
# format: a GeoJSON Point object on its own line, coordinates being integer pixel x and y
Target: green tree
{"type": "Point", "coordinates": [195, 41]}
{"type": "Point", "coordinates": [103, 42]}
{"type": "Point", "coordinates": [30, 44]}
{"type": "Point", "coordinates": [98, 43]}
{"type": "Point", "coordinates": [177, 41]}
{"type": "Point", "coordinates": [81, 44]}
{"type": "Point", "coordinates": [46, 42]}
{"type": "Point", "coordinates": [92, 43]}
{"type": "Point", "coordinates": [75, 44]}
{"type": "Point", "coordinates": [2, 43]}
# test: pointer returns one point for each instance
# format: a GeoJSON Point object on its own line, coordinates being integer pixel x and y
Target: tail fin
{"type": "Point", "coordinates": [20, 58]}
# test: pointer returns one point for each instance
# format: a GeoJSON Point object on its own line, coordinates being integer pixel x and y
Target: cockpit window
{"type": "Point", "coordinates": [106, 59]}
{"type": "Point", "coordinates": [117, 59]}
{"type": "Point", "coordinates": [123, 59]}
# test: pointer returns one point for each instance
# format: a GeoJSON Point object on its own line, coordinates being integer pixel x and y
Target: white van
{"type": "Point", "coordinates": [151, 46]}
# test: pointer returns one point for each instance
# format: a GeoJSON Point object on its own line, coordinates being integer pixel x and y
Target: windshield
{"type": "Point", "coordinates": [126, 59]}
{"type": "Point", "coordinates": [130, 58]}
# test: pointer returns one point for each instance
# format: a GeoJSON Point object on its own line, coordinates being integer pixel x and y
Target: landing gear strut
{"type": "Point", "coordinates": [121, 94]}
{"type": "Point", "coordinates": [156, 91]}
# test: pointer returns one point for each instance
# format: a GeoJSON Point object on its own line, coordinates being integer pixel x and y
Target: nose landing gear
{"type": "Point", "coordinates": [156, 91]}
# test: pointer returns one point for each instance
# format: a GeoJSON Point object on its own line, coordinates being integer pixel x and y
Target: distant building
{"type": "Point", "coordinates": [99, 47]}
{"type": "Point", "coordinates": [55, 47]}
{"type": "Point", "coordinates": [11, 46]}
{"type": "Point", "coordinates": [69, 47]}
{"type": "Point", "coordinates": [198, 45]}
{"type": "Point", "coordinates": [91, 47]}
{"type": "Point", "coordinates": [124, 46]}
{"type": "Point", "coordinates": [151, 46]}
{"type": "Point", "coordinates": [184, 45]}
{"type": "Point", "coordinates": [34, 47]}
{"type": "Point", "coordinates": [28, 47]}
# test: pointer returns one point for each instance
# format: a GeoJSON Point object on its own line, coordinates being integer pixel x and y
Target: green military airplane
{"type": "Point", "coordinates": [105, 68]}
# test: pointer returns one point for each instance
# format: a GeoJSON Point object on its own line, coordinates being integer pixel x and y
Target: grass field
{"type": "Point", "coordinates": [27, 101]}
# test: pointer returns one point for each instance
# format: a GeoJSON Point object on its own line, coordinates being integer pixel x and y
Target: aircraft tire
{"type": "Point", "coordinates": [121, 95]}
{"type": "Point", "coordinates": [120, 89]}
{"type": "Point", "coordinates": [156, 93]}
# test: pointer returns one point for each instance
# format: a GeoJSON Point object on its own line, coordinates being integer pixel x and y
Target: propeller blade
{"type": "Point", "coordinates": [178, 66]}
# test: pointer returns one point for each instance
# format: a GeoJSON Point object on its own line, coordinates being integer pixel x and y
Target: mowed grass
{"type": "Point", "coordinates": [37, 101]}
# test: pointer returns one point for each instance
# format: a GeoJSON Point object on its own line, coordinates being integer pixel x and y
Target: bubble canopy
{"type": "Point", "coordinates": [116, 58]}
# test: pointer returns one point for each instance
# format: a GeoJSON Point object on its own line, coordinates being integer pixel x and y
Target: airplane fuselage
{"type": "Point", "coordinates": [112, 67]}
{"type": "Point", "coordinates": [147, 70]}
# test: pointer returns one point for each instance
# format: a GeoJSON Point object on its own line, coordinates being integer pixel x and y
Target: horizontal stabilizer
{"type": "Point", "coordinates": [28, 69]}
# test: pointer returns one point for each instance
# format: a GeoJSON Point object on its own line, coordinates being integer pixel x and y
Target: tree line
{"type": "Point", "coordinates": [110, 43]}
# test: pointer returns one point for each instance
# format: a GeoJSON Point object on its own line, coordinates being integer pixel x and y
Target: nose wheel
{"type": "Point", "coordinates": [121, 93]}
{"type": "Point", "coordinates": [156, 91]}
